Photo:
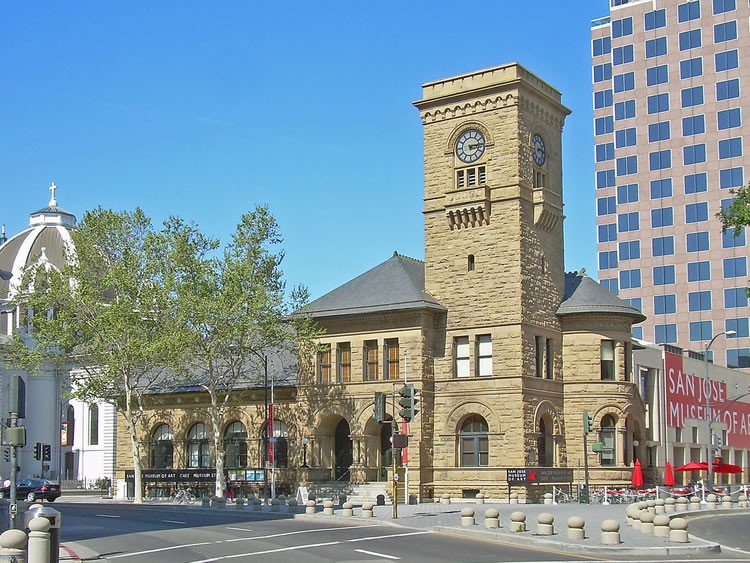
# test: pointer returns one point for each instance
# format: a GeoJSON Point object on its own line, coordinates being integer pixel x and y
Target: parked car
{"type": "Point", "coordinates": [33, 489]}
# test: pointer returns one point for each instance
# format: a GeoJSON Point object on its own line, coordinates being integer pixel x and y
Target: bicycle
{"type": "Point", "coordinates": [184, 496]}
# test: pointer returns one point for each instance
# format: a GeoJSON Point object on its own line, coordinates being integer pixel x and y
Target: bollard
{"type": "Point", "coordinates": [445, 498]}
{"type": "Point", "coordinates": [257, 504]}
{"type": "Point", "coordinates": [647, 522]}
{"type": "Point", "coordinates": [678, 530]}
{"type": "Point", "coordinates": [669, 505]}
{"type": "Point", "coordinates": [681, 505]}
{"type": "Point", "coordinates": [651, 506]}
{"type": "Point", "coordinates": [310, 507]}
{"type": "Point", "coordinates": [347, 509]}
{"type": "Point", "coordinates": [710, 502]}
{"type": "Point", "coordinates": [518, 522]}
{"type": "Point", "coordinates": [726, 501]}
{"type": "Point", "coordinates": [367, 510]}
{"type": "Point", "coordinates": [610, 532]}
{"type": "Point", "coordinates": [514, 498]}
{"type": "Point", "coordinates": [630, 513]}
{"type": "Point", "coordinates": [13, 545]}
{"type": "Point", "coordinates": [576, 528]}
{"type": "Point", "coordinates": [218, 502]}
{"type": "Point", "coordinates": [695, 503]}
{"type": "Point", "coordinates": [328, 508]}
{"type": "Point", "coordinates": [659, 506]}
{"type": "Point", "coordinates": [292, 505]}
{"type": "Point", "coordinates": [467, 517]}
{"type": "Point", "coordinates": [661, 526]}
{"type": "Point", "coordinates": [742, 501]}
{"type": "Point", "coordinates": [205, 502]}
{"type": "Point", "coordinates": [380, 500]}
{"type": "Point", "coordinates": [39, 541]}
{"type": "Point", "coordinates": [239, 503]}
{"type": "Point", "coordinates": [547, 498]}
{"type": "Point", "coordinates": [275, 504]}
{"type": "Point", "coordinates": [545, 524]}
{"type": "Point", "coordinates": [479, 498]}
{"type": "Point", "coordinates": [492, 518]}
{"type": "Point", "coordinates": [55, 520]}
{"type": "Point", "coordinates": [637, 510]}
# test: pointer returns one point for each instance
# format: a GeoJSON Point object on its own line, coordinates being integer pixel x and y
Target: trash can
{"type": "Point", "coordinates": [54, 518]}
{"type": "Point", "coordinates": [583, 495]}
{"type": "Point", "coordinates": [412, 499]}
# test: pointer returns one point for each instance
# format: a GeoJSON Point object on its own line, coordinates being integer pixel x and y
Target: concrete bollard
{"type": "Point", "coordinates": [545, 524]}
{"type": "Point", "coordinates": [347, 509]}
{"type": "Point", "coordinates": [631, 512]}
{"type": "Point", "coordinates": [445, 498]}
{"type": "Point", "coordinates": [695, 504]}
{"type": "Point", "coordinates": [647, 522]}
{"type": "Point", "coordinates": [310, 507]}
{"type": "Point", "coordinates": [678, 530]}
{"type": "Point", "coordinates": [711, 502]}
{"type": "Point", "coordinates": [218, 502]}
{"type": "Point", "coordinates": [681, 505]}
{"type": "Point", "coordinates": [367, 510]}
{"type": "Point", "coordinates": [636, 514]}
{"type": "Point", "coordinates": [257, 504]}
{"type": "Point", "coordinates": [518, 522]}
{"type": "Point", "coordinates": [547, 498]}
{"type": "Point", "coordinates": [292, 506]}
{"type": "Point", "coordinates": [275, 504]}
{"type": "Point", "coordinates": [513, 498]}
{"type": "Point", "coordinates": [479, 498]}
{"type": "Point", "coordinates": [467, 517]}
{"type": "Point", "coordinates": [669, 505]}
{"type": "Point", "coordinates": [239, 503]}
{"type": "Point", "coordinates": [661, 526]}
{"type": "Point", "coordinates": [39, 541]}
{"type": "Point", "coordinates": [651, 506]}
{"type": "Point", "coordinates": [491, 518]}
{"type": "Point", "coordinates": [726, 501]}
{"type": "Point", "coordinates": [13, 545]}
{"type": "Point", "coordinates": [328, 508]}
{"type": "Point", "coordinates": [576, 528]}
{"type": "Point", "coordinates": [659, 506]}
{"type": "Point", "coordinates": [611, 532]}
{"type": "Point", "coordinates": [205, 502]}
{"type": "Point", "coordinates": [742, 501]}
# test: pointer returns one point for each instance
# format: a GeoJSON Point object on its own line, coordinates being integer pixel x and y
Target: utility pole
{"type": "Point", "coordinates": [394, 430]}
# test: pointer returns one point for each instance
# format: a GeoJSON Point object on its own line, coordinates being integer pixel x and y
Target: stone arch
{"type": "Point", "coordinates": [546, 408]}
{"type": "Point", "coordinates": [461, 412]}
{"type": "Point", "coordinates": [453, 137]}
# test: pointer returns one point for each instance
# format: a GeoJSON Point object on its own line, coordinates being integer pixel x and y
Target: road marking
{"type": "Point", "coordinates": [240, 529]}
{"type": "Point", "coordinates": [180, 522]}
{"type": "Point", "coordinates": [107, 515]}
{"type": "Point", "coordinates": [375, 554]}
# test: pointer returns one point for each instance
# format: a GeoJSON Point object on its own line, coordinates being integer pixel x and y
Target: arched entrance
{"type": "Point", "coordinates": [386, 450]}
{"type": "Point", "coordinates": [342, 449]}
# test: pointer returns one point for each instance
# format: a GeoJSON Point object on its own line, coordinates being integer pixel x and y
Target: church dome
{"type": "Point", "coordinates": [44, 242]}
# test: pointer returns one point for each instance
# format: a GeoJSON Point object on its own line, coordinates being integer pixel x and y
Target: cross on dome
{"type": "Point", "coordinates": [53, 201]}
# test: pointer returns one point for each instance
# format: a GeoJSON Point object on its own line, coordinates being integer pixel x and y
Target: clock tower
{"type": "Point", "coordinates": [494, 243]}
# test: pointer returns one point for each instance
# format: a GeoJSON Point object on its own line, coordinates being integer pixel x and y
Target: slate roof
{"type": "Point", "coordinates": [394, 285]}
{"type": "Point", "coordinates": [584, 295]}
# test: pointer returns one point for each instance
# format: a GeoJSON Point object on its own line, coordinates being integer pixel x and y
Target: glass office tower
{"type": "Point", "coordinates": [669, 111]}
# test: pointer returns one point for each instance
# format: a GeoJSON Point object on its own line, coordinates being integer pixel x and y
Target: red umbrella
{"type": "Point", "coordinates": [726, 468]}
{"type": "Point", "coordinates": [693, 466]}
{"type": "Point", "coordinates": [637, 478]}
{"type": "Point", "coordinates": [668, 476]}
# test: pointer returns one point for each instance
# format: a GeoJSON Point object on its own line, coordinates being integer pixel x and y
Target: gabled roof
{"type": "Point", "coordinates": [394, 285]}
{"type": "Point", "coordinates": [584, 295]}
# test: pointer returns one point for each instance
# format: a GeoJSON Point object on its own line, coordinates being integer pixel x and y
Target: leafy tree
{"type": "Point", "coordinates": [737, 215]}
{"type": "Point", "coordinates": [231, 310]}
{"type": "Point", "coordinates": [107, 314]}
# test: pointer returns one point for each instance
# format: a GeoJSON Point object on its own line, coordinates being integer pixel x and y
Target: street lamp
{"type": "Point", "coordinates": [709, 417]}
{"type": "Point", "coordinates": [305, 441]}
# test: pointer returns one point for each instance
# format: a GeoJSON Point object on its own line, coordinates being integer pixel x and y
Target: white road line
{"type": "Point", "coordinates": [107, 515]}
{"type": "Point", "coordinates": [375, 554]}
{"type": "Point", "coordinates": [173, 522]}
{"type": "Point", "coordinates": [240, 529]}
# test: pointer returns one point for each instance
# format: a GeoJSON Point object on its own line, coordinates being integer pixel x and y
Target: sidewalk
{"type": "Point", "coordinates": [446, 518]}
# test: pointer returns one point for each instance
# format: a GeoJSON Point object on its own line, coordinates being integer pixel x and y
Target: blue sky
{"type": "Point", "coordinates": [205, 109]}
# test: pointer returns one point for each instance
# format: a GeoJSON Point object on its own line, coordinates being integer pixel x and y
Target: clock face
{"type": "Point", "coordinates": [470, 146]}
{"type": "Point", "coordinates": [537, 149]}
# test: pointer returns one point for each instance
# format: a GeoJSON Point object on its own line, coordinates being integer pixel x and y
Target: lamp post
{"type": "Point", "coordinates": [709, 417]}
{"type": "Point", "coordinates": [305, 441]}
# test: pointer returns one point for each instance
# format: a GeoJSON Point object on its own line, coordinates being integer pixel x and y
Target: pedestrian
{"type": "Point", "coordinates": [228, 486]}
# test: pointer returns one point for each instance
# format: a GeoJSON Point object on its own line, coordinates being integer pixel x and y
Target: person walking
{"type": "Point", "coordinates": [228, 488]}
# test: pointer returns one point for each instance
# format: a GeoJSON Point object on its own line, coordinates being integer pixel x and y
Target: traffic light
{"type": "Point", "coordinates": [718, 441]}
{"type": "Point", "coordinates": [38, 450]}
{"type": "Point", "coordinates": [407, 401]}
{"type": "Point", "coordinates": [379, 409]}
{"type": "Point", "coordinates": [46, 452]}
{"type": "Point", "coordinates": [588, 423]}
{"type": "Point", "coordinates": [6, 454]}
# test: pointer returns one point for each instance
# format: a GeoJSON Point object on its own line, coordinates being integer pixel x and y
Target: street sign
{"type": "Point", "coordinates": [525, 475]}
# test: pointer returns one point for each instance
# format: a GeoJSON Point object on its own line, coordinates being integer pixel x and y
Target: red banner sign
{"type": "Point", "coordinates": [686, 398]}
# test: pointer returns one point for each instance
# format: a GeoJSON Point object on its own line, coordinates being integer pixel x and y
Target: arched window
{"type": "Point", "coordinates": [235, 445]}
{"type": "Point", "coordinates": [70, 418]}
{"type": "Point", "coordinates": [198, 451]}
{"type": "Point", "coordinates": [162, 447]}
{"type": "Point", "coordinates": [93, 425]}
{"type": "Point", "coordinates": [607, 436]}
{"type": "Point", "coordinates": [545, 446]}
{"type": "Point", "coordinates": [281, 446]}
{"type": "Point", "coordinates": [474, 443]}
